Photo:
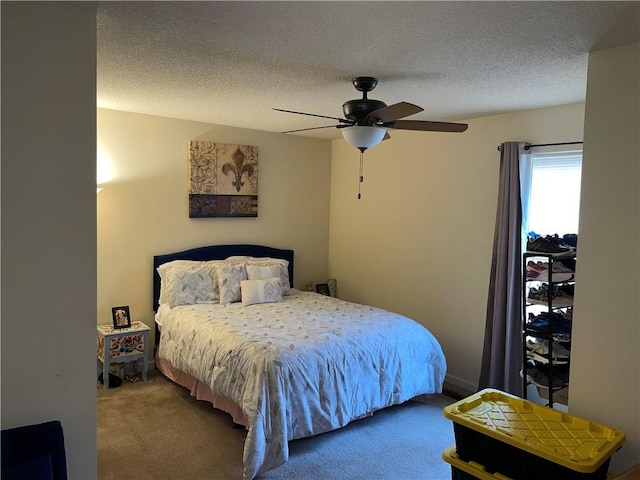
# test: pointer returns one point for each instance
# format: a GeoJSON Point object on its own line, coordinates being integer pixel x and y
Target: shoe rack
{"type": "Point", "coordinates": [547, 300]}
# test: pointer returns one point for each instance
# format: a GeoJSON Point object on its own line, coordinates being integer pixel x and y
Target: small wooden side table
{"type": "Point", "coordinates": [122, 346]}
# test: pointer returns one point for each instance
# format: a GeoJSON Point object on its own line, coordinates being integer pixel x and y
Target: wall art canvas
{"type": "Point", "coordinates": [223, 180]}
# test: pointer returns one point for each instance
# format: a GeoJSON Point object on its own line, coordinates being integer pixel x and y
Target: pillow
{"type": "Point", "coordinates": [237, 259]}
{"type": "Point", "coordinates": [229, 278]}
{"type": "Point", "coordinates": [283, 266]}
{"type": "Point", "coordinates": [190, 285]}
{"type": "Point", "coordinates": [257, 272]}
{"type": "Point", "coordinates": [268, 290]}
{"type": "Point", "coordinates": [162, 271]}
{"type": "Point", "coordinates": [214, 264]}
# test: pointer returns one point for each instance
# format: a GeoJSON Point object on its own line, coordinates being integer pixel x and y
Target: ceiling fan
{"type": "Point", "coordinates": [366, 119]}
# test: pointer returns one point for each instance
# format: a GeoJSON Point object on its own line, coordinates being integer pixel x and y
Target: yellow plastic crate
{"type": "Point", "coordinates": [527, 441]}
{"type": "Point", "coordinates": [461, 470]}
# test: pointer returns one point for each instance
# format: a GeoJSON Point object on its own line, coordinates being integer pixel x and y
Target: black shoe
{"type": "Point", "coordinates": [544, 245]}
{"type": "Point", "coordinates": [114, 380]}
{"type": "Point", "coordinates": [571, 239]}
{"type": "Point", "coordinates": [541, 377]}
{"type": "Point", "coordinates": [560, 241]}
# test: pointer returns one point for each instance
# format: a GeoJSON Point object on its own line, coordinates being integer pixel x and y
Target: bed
{"type": "Point", "coordinates": [284, 363]}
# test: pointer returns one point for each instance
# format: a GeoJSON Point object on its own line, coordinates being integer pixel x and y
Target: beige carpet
{"type": "Point", "coordinates": [156, 430]}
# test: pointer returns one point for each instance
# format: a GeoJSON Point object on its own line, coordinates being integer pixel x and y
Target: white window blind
{"type": "Point", "coordinates": [554, 204]}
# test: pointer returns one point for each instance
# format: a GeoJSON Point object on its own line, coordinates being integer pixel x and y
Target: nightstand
{"type": "Point", "coordinates": [122, 346]}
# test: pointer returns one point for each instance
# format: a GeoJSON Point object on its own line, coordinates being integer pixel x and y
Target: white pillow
{"type": "Point", "coordinates": [229, 278]}
{"type": "Point", "coordinates": [236, 259]}
{"type": "Point", "coordinates": [162, 271]}
{"type": "Point", "coordinates": [257, 272]}
{"type": "Point", "coordinates": [189, 285]}
{"type": "Point", "coordinates": [283, 266]}
{"type": "Point", "coordinates": [261, 291]}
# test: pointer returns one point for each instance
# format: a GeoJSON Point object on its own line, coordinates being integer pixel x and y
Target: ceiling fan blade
{"type": "Point", "coordinates": [312, 128]}
{"type": "Point", "coordinates": [341, 120]}
{"type": "Point", "coordinates": [427, 126]}
{"type": "Point", "coordinates": [393, 112]}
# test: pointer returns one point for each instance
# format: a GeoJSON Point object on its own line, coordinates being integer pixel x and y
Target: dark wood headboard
{"type": "Point", "coordinates": [217, 252]}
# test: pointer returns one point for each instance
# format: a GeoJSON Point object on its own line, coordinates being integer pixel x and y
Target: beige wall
{"type": "Point", "coordinates": [419, 241]}
{"type": "Point", "coordinates": [143, 208]}
{"type": "Point", "coordinates": [49, 223]}
{"type": "Point", "coordinates": [605, 368]}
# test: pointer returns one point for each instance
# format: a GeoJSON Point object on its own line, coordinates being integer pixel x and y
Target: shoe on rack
{"type": "Point", "coordinates": [537, 266]}
{"type": "Point", "coordinates": [565, 290]}
{"type": "Point", "coordinates": [538, 350]}
{"type": "Point", "coordinates": [560, 325]}
{"type": "Point", "coordinates": [540, 270]}
{"type": "Point", "coordinates": [559, 267]}
{"type": "Point", "coordinates": [555, 238]}
{"type": "Point", "coordinates": [563, 297]}
{"type": "Point", "coordinates": [571, 239]}
{"type": "Point", "coordinates": [535, 271]}
{"type": "Point", "coordinates": [562, 372]}
{"type": "Point", "coordinates": [544, 245]}
{"type": "Point", "coordinates": [560, 297]}
{"type": "Point", "coordinates": [540, 294]}
{"type": "Point", "coordinates": [540, 378]}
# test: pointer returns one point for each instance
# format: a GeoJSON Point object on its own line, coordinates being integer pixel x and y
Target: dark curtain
{"type": "Point", "coordinates": [502, 353]}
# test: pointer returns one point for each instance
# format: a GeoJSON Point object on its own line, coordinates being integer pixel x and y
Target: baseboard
{"type": "Point", "coordinates": [458, 388]}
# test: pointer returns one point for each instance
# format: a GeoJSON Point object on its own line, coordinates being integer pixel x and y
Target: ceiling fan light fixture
{"type": "Point", "coordinates": [362, 136]}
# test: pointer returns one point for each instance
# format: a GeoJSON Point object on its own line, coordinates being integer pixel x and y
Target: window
{"type": "Point", "coordinates": [554, 202]}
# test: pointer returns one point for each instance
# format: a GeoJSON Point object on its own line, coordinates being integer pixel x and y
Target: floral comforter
{"type": "Point", "coordinates": [300, 367]}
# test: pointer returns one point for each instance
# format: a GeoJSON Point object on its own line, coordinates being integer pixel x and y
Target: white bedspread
{"type": "Point", "coordinates": [300, 367]}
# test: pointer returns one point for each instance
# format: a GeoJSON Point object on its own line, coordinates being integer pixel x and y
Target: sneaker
{"type": "Point", "coordinates": [558, 267]}
{"type": "Point", "coordinates": [571, 239]}
{"type": "Point", "coordinates": [537, 266]}
{"type": "Point", "coordinates": [560, 295]}
{"type": "Point", "coordinates": [555, 238]}
{"type": "Point", "coordinates": [535, 271]}
{"type": "Point", "coordinates": [559, 324]}
{"type": "Point", "coordinates": [539, 377]}
{"type": "Point", "coordinates": [544, 245]}
{"type": "Point", "coordinates": [563, 295]}
{"type": "Point", "coordinates": [540, 270]}
{"type": "Point", "coordinates": [565, 290]}
{"type": "Point", "coordinates": [539, 295]}
{"type": "Point", "coordinates": [538, 350]}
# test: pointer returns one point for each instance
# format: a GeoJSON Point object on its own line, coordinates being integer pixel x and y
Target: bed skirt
{"type": "Point", "coordinates": [201, 391]}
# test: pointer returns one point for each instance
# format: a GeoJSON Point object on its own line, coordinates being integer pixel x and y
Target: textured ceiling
{"type": "Point", "coordinates": [230, 63]}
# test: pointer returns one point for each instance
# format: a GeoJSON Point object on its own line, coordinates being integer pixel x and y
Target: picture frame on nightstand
{"type": "Point", "coordinates": [121, 317]}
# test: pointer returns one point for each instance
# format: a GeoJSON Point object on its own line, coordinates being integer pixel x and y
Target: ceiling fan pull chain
{"type": "Point", "coordinates": [361, 178]}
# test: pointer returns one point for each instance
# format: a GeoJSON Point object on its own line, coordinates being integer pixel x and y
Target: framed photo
{"type": "Point", "coordinates": [121, 317]}
{"type": "Point", "coordinates": [322, 288]}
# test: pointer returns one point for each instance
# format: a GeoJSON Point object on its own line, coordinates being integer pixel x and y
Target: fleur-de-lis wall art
{"type": "Point", "coordinates": [223, 180]}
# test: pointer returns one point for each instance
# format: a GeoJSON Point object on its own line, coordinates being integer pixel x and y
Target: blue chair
{"type": "Point", "coordinates": [34, 452]}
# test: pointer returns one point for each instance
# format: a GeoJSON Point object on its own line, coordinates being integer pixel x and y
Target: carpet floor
{"type": "Point", "coordinates": [156, 430]}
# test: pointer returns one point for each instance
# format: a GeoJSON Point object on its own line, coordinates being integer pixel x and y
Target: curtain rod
{"type": "Point", "coordinates": [529, 147]}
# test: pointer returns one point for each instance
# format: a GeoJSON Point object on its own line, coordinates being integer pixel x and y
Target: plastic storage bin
{"type": "Point", "coordinates": [523, 440]}
{"type": "Point", "coordinates": [461, 470]}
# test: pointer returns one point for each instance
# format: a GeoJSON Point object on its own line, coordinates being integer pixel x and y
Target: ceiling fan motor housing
{"type": "Point", "coordinates": [357, 110]}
